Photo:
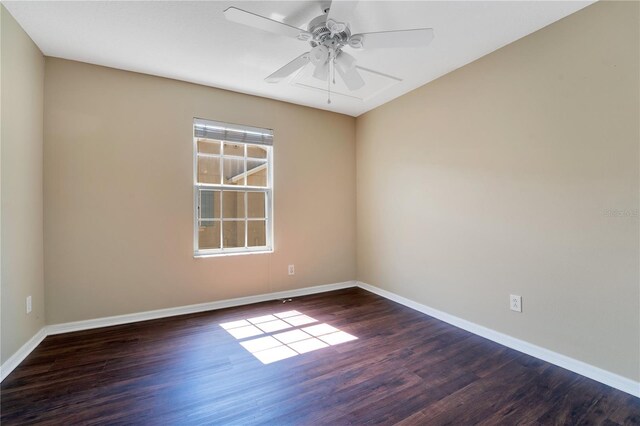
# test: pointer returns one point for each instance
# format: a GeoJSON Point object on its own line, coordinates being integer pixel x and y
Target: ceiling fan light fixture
{"type": "Point", "coordinates": [319, 55]}
{"type": "Point", "coordinates": [355, 41]}
{"type": "Point", "coordinates": [335, 27]}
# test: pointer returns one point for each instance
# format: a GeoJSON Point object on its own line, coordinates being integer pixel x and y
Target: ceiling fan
{"type": "Point", "coordinates": [328, 34]}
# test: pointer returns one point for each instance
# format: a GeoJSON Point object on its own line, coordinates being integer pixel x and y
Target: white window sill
{"type": "Point", "coordinates": [201, 255]}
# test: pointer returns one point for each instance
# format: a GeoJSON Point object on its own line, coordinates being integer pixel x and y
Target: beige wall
{"type": "Point", "coordinates": [496, 179]}
{"type": "Point", "coordinates": [21, 84]}
{"type": "Point", "coordinates": [119, 197]}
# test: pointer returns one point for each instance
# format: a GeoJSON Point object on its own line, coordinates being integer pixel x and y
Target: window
{"type": "Point", "coordinates": [232, 188]}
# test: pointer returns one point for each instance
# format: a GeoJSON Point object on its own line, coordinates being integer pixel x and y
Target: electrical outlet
{"type": "Point", "coordinates": [28, 304]}
{"type": "Point", "coordinates": [292, 270]}
{"type": "Point", "coordinates": [515, 303]}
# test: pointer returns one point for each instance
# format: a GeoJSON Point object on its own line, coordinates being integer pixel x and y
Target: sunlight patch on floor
{"type": "Point", "coordinates": [272, 338]}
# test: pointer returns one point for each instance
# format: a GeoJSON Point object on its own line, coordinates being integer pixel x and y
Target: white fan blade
{"type": "Point", "coordinates": [289, 69]}
{"type": "Point", "coordinates": [352, 78]}
{"type": "Point", "coordinates": [402, 38]}
{"type": "Point", "coordinates": [341, 10]}
{"type": "Point", "coordinates": [265, 24]}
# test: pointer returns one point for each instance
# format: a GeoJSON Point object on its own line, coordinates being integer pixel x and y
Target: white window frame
{"type": "Point", "coordinates": [267, 190]}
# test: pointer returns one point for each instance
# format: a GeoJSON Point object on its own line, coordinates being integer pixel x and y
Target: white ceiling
{"type": "Point", "coordinates": [192, 41]}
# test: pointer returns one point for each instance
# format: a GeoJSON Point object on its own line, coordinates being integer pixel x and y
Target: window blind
{"type": "Point", "coordinates": [231, 132]}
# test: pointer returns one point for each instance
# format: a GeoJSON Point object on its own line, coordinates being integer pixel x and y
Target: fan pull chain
{"type": "Point", "coordinates": [334, 70]}
{"type": "Point", "coordinates": [329, 84]}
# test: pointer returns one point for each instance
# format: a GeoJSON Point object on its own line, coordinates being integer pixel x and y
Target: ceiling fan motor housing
{"type": "Point", "coordinates": [322, 34]}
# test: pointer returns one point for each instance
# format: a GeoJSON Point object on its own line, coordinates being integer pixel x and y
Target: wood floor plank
{"type": "Point", "coordinates": [403, 368]}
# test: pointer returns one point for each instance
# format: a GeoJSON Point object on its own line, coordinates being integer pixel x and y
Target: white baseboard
{"type": "Point", "coordinates": [9, 365]}
{"type": "Point", "coordinates": [191, 309]}
{"type": "Point", "coordinates": [603, 376]}
{"type": "Point", "coordinates": [611, 379]}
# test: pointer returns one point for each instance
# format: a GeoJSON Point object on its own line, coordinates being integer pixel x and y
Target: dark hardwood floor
{"type": "Point", "coordinates": [403, 368]}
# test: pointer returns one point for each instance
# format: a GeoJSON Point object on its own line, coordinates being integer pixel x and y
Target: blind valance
{"type": "Point", "coordinates": [231, 132]}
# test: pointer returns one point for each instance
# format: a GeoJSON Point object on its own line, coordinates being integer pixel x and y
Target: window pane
{"type": "Point", "coordinates": [256, 151]}
{"type": "Point", "coordinates": [209, 204]}
{"type": "Point", "coordinates": [255, 203]}
{"type": "Point", "coordinates": [207, 146]}
{"type": "Point", "coordinates": [257, 233]}
{"type": "Point", "coordinates": [234, 171]}
{"type": "Point", "coordinates": [208, 170]}
{"type": "Point", "coordinates": [236, 149]}
{"type": "Point", "coordinates": [233, 205]}
{"type": "Point", "coordinates": [233, 233]}
{"type": "Point", "coordinates": [257, 173]}
{"type": "Point", "coordinates": [209, 235]}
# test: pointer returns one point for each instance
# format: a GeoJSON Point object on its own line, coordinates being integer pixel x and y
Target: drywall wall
{"type": "Point", "coordinates": [517, 174]}
{"type": "Point", "coordinates": [119, 194]}
{"type": "Point", "coordinates": [22, 86]}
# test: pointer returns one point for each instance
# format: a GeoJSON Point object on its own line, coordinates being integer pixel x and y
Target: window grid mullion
{"type": "Point", "coordinates": [221, 160]}
{"type": "Point", "coordinates": [244, 159]}
{"type": "Point", "coordinates": [215, 186]}
{"type": "Point", "coordinates": [246, 204]}
{"type": "Point", "coordinates": [234, 157]}
{"type": "Point", "coordinates": [246, 223]}
{"type": "Point", "coordinates": [221, 196]}
{"type": "Point", "coordinates": [268, 200]}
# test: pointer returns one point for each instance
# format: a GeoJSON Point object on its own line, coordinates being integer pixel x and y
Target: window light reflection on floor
{"type": "Point", "coordinates": [271, 338]}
